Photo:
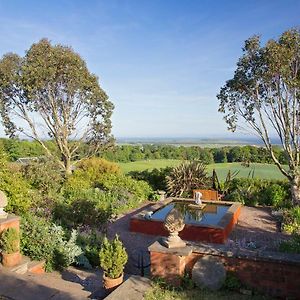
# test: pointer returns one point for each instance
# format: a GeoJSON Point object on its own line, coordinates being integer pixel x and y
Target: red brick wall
{"type": "Point", "coordinates": [189, 233]}
{"type": "Point", "coordinates": [275, 278]}
{"type": "Point", "coordinates": [167, 266]}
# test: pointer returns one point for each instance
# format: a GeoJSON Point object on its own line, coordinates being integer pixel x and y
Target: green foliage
{"type": "Point", "coordinates": [254, 191]}
{"type": "Point", "coordinates": [291, 246]}
{"type": "Point", "coordinates": [291, 220]}
{"type": "Point", "coordinates": [66, 251]}
{"type": "Point", "coordinates": [187, 177]}
{"type": "Point", "coordinates": [10, 240]}
{"type": "Point", "coordinates": [54, 82]}
{"type": "Point", "coordinates": [156, 177]}
{"type": "Point", "coordinates": [259, 95]}
{"type": "Point", "coordinates": [93, 208]}
{"type": "Point", "coordinates": [113, 257]}
{"type": "Point", "coordinates": [232, 283]}
{"type": "Point", "coordinates": [276, 195]}
{"type": "Point", "coordinates": [43, 175]}
{"type": "Point", "coordinates": [18, 191]}
{"type": "Point", "coordinates": [124, 186]}
{"type": "Point", "coordinates": [90, 242]}
{"type": "Point", "coordinates": [43, 240]}
{"type": "Point", "coordinates": [95, 167]}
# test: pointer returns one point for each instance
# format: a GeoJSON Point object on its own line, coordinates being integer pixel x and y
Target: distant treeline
{"type": "Point", "coordinates": [15, 149]}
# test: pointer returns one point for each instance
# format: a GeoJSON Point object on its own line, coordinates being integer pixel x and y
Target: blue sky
{"type": "Point", "coordinates": [161, 62]}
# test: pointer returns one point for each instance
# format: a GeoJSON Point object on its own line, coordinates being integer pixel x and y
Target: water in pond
{"type": "Point", "coordinates": [211, 214]}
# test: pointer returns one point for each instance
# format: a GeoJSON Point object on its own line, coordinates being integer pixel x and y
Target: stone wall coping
{"type": "Point", "coordinates": [9, 218]}
{"type": "Point", "coordinates": [182, 251]}
{"type": "Point", "coordinates": [225, 251]}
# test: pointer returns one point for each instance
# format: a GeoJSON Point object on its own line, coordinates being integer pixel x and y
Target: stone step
{"type": "Point", "coordinates": [22, 267]}
{"type": "Point", "coordinates": [26, 265]}
{"type": "Point", "coordinates": [49, 286]}
{"type": "Point", "coordinates": [36, 267]}
{"type": "Point", "coordinates": [134, 288]}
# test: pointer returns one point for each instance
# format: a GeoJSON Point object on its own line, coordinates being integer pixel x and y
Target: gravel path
{"type": "Point", "coordinates": [256, 224]}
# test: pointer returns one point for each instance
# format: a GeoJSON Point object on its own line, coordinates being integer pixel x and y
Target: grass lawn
{"type": "Point", "coordinates": [158, 293]}
{"type": "Point", "coordinates": [260, 170]}
{"type": "Point", "coordinates": [142, 165]}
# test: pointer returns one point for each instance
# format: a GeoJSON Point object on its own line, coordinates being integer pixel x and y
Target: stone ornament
{"type": "Point", "coordinates": [198, 200]}
{"type": "Point", "coordinates": [162, 195]}
{"type": "Point", "coordinates": [209, 272]}
{"type": "Point", "coordinates": [3, 203]}
{"type": "Point", "coordinates": [174, 223]}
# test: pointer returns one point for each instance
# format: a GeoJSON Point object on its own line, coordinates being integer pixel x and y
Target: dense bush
{"type": "Point", "coordinates": [18, 191]}
{"type": "Point", "coordinates": [89, 209]}
{"type": "Point", "coordinates": [44, 175]}
{"type": "Point", "coordinates": [90, 241]}
{"type": "Point", "coordinates": [291, 220]}
{"type": "Point", "coordinates": [42, 240]}
{"type": "Point", "coordinates": [94, 167]}
{"type": "Point", "coordinates": [105, 189]}
{"type": "Point", "coordinates": [156, 177]}
{"type": "Point", "coordinates": [291, 246]}
{"type": "Point", "coordinates": [254, 191]}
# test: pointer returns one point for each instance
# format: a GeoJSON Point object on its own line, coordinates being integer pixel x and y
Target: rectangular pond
{"type": "Point", "coordinates": [213, 223]}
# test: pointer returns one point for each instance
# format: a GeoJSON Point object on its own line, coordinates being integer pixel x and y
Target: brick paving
{"type": "Point", "coordinates": [256, 225]}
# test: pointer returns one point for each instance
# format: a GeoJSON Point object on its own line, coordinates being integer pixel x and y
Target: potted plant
{"type": "Point", "coordinates": [113, 257]}
{"type": "Point", "coordinates": [10, 244]}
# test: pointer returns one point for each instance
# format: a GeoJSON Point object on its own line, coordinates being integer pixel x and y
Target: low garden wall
{"type": "Point", "coordinates": [272, 273]}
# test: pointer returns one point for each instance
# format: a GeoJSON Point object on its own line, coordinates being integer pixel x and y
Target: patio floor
{"type": "Point", "coordinates": [256, 224]}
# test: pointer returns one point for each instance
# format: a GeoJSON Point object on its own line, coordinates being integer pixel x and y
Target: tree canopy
{"type": "Point", "coordinates": [264, 95]}
{"type": "Point", "coordinates": [50, 93]}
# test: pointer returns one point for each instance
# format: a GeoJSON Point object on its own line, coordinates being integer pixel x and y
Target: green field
{"type": "Point", "coordinates": [260, 170]}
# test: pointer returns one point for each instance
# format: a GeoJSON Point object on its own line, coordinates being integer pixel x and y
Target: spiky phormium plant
{"type": "Point", "coordinates": [186, 177]}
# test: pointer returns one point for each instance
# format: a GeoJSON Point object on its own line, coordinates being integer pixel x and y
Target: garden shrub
{"type": "Point", "coordinates": [156, 178]}
{"type": "Point", "coordinates": [275, 195]}
{"type": "Point", "coordinates": [108, 192]}
{"type": "Point", "coordinates": [43, 240]}
{"type": "Point", "coordinates": [124, 185]}
{"type": "Point", "coordinates": [90, 242]}
{"type": "Point", "coordinates": [232, 282]}
{"type": "Point", "coordinates": [255, 191]}
{"type": "Point", "coordinates": [44, 175]}
{"type": "Point", "coordinates": [291, 220]}
{"type": "Point", "coordinates": [291, 246]}
{"type": "Point", "coordinates": [18, 191]}
{"type": "Point", "coordinates": [95, 167]}
{"type": "Point", "coordinates": [92, 208]}
{"type": "Point", "coordinates": [66, 251]}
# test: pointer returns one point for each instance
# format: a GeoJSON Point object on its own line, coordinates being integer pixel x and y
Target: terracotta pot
{"type": "Point", "coordinates": [110, 283]}
{"type": "Point", "coordinates": [11, 260]}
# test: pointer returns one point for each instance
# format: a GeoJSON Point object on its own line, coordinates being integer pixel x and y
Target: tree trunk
{"type": "Point", "coordinates": [295, 190]}
{"type": "Point", "coordinates": [67, 164]}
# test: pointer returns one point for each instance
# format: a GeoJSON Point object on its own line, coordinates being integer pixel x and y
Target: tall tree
{"type": "Point", "coordinates": [264, 95]}
{"type": "Point", "coordinates": [51, 89]}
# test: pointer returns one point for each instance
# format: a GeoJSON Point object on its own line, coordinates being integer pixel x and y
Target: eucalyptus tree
{"type": "Point", "coordinates": [50, 93]}
{"type": "Point", "coordinates": [264, 96]}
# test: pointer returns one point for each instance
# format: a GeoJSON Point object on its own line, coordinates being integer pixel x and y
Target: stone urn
{"type": "Point", "coordinates": [3, 203]}
{"type": "Point", "coordinates": [162, 195]}
{"type": "Point", "coordinates": [174, 223]}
